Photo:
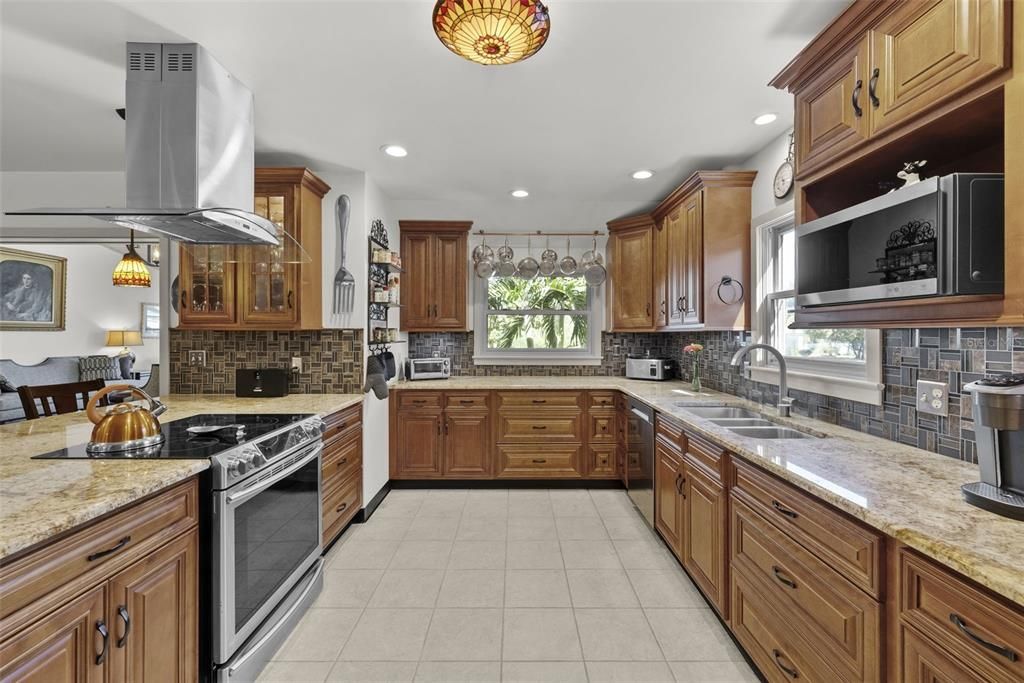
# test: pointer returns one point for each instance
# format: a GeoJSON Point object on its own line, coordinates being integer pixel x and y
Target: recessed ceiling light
{"type": "Point", "coordinates": [394, 150]}
{"type": "Point", "coordinates": [519, 194]}
{"type": "Point", "coordinates": [765, 119]}
{"type": "Point", "coordinates": [642, 174]}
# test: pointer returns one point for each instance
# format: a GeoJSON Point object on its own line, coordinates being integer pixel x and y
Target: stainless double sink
{"type": "Point", "coordinates": [744, 422]}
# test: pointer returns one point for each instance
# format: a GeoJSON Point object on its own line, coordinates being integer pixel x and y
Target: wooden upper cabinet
{"type": "Point", "coordinates": [631, 255]}
{"type": "Point", "coordinates": [434, 256]}
{"type": "Point", "coordinates": [663, 303]}
{"type": "Point", "coordinates": [262, 287]}
{"type": "Point", "coordinates": [832, 110]}
{"type": "Point", "coordinates": [692, 265]}
{"type": "Point", "coordinates": [673, 278]}
{"type": "Point", "coordinates": [930, 50]}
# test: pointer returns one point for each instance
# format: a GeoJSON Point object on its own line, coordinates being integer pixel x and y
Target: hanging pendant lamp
{"type": "Point", "coordinates": [492, 31]}
{"type": "Point", "coordinates": [131, 270]}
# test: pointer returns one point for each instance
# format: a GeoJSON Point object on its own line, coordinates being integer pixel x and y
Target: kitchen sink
{"type": "Point", "coordinates": [741, 422]}
{"type": "Point", "coordinates": [720, 412]}
{"type": "Point", "coordinates": [769, 432]}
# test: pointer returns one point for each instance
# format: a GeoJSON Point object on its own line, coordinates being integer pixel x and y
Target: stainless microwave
{"type": "Point", "coordinates": [428, 368]}
{"type": "Point", "coordinates": [940, 237]}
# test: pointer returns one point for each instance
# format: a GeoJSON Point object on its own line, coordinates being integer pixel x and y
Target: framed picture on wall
{"type": "Point", "coordinates": [33, 290]}
{"type": "Point", "coordinates": [150, 321]}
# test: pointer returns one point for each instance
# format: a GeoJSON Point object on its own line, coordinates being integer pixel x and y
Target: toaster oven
{"type": "Point", "coordinates": [428, 368]}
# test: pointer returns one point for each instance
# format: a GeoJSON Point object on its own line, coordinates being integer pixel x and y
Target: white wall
{"type": "Point", "coordinates": [93, 306]}
{"type": "Point", "coordinates": [766, 162]}
{"type": "Point", "coordinates": [20, 190]}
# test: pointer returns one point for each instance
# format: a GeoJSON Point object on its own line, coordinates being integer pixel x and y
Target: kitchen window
{"type": "Point", "coordinates": [548, 321]}
{"type": "Point", "coordinates": [845, 363]}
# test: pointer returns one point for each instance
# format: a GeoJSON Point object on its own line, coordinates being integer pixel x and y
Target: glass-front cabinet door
{"type": "Point", "coordinates": [270, 275]}
{"type": "Point", "coordinates": [206, 285]}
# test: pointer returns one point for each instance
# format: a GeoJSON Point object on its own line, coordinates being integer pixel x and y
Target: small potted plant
{"type": "Point", "coordinates": [695, 350]}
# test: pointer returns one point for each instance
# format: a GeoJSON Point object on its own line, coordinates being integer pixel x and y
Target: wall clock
{"type": "Point", "coordinates": [784, 176]}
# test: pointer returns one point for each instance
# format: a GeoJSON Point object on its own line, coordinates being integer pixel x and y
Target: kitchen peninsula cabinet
{"type": "Point", "coordinates": [441, 435]}
{"type": "Point", "coordinates": [116, 600]}
{"type": "Point", "coordinates": [261, 287]}
{"type": "Point", "coordinates": [341, 470]}
{"type": "Point", "coordinates": [434, 257]}
{"type": "Point", "coordinates": [685, 266]}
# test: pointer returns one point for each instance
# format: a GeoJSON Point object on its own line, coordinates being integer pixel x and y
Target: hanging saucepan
{"type": "Point", "coordinates": [591, 256]}
{"type": "Point", "coordinates": [528, 267]}
{"type": "Point", "coordinates": [483, 252]}
{"type": "Point", "coordinates": [548, 254]}
{"type": "Point", "coordinates": [484, 268]}
{"type": "Point", "coordinates": [567, 266]}
{"type": "Point", "coordinates": [505, 253]}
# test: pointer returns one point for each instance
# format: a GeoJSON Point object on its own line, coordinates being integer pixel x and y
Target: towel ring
{"type": "Point", "coordinates": [732, 283]}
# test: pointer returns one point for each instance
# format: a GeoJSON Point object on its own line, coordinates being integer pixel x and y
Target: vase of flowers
{"type": "Point", "coordinates": [694, 350]}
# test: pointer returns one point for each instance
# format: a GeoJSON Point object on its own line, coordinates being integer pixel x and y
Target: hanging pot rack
{"type": "Point", "coordinates": [539, 233]}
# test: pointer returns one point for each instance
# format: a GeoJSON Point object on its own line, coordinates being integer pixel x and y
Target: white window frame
{"type": "Point", "coordinates": [482, 355]}
{"type": "Point", "coordinates": [843, 379]}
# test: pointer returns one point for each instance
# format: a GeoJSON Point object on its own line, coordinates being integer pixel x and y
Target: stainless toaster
{"type": "Point", "coordinates": [428, 368]}
{"type": "Point", "coordinates": [650, 368]}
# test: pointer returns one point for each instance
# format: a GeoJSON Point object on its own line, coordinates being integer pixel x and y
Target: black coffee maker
{"type": "Point", "coordinates": [998, 405]}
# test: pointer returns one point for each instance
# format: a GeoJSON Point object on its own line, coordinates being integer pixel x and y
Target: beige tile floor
{"type": "Point", "coordinates": [506, 585]}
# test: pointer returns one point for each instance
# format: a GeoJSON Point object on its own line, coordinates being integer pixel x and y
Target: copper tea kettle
{"type": "Point", "coordinates": [125, 426]}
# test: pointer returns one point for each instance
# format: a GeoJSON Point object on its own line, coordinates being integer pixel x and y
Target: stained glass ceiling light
{"type": "Point", "coordinates": [131, 270]}
{"type": "Point", "coordinates": [492, 31]}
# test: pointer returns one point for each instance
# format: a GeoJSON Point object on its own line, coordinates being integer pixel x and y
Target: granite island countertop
{"type": "Point", "coordinates": [905, 492]}
{"type": "Point", "coordinates": [42, 498]}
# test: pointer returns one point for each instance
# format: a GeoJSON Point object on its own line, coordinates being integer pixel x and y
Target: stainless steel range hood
{"type": "Point", "coordinates": [188, 148]}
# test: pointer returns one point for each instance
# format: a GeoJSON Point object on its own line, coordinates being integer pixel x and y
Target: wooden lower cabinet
{"type": "Point", "coordinates": [152, 617]}
{"type": "Point", "coordinates": [539, 461]}
{"type": "Point", "coordinates": [417, 444]}
{"type": "Point", "coordinates": [63, 646]}
{"type": "Point", "coordinates": [922, 662]}
{"type": "Point", "coordinates": [429, 441]}
{"type": "Point", "coordinates": [704, 527]}
{"type": "Point", "coordinates": [467, 444]}
{"type": "Point", "coordinates": [668, 495]}
{"type": "Point", "coordinates": [603, 462]}
{"type": "Point", "coordinates": [341, 471]}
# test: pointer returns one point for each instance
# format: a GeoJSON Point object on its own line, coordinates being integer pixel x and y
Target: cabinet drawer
{"type": "Point", "coordinates": [339, 463]}
{"type": "Point", "coordinates": [769, 638]}
{"type": "Point", "coordinates": [540, 461]}
{"type": "Point", "coordinates": [602, 399]}
{"type": "Point", "coordinates": [602, 464]}
{"type": "Point", "coordinates": [602, 427]}
{"type": "Point", "coordinates": [469, 401]}
{"type": "Point", "coordinates": [419, 399]}
{"type": "Point", "coordinates": [540, 399]}
{"type": "Point", "coordinates": [839, 619]}
{"type": "Point", "coordinates": [343, 422]}
{"type": "Point", "coordinates": [708, 455]}
{"type": "Point", "coordinates": [922, 662]}
{"type": "Point", "coordinates": [851, 549]}
{"type": "Point", "coordinates": [539, 426]}
{"type": "Point", "coordinates": [669, 430]}
{"type": "Point", "coordinates": [958, 617]}
{"type": "Point", "coordinates": [341, 503]}
{"type": "Point", "coordinates": [99, 549]}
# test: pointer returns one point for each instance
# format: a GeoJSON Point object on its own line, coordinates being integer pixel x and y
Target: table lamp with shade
{"type": "Point", "coordinates": [124, 339]}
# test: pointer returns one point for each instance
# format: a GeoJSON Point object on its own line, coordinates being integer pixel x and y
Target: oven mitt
{"type": "Point", "coordinates": [375, 378]}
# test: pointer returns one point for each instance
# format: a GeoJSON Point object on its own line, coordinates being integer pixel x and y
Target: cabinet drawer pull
{"type": "Point", "coordinates": [342, 461]}
{"type": "Point", "coordinates": [872, 92]}
{"type": "Point", "coordinates": [419, 400]}
{"type": "Point", "coordinates": [540, 461]}
{"type": "Point", "coordinates": [782, 510]}
{"type": "Point", "coordinates": [341, 508]}
{"type": "Point", "coordinates": [540, 426]}
{"type": "Point", "coordinates": [110, 551]}
{"type": "Point", "coordinates": [777, 656]}
{"type": "Point", "coordinates": [855, 99]}
{"type": "Point", "coordinates": [122, 612]}
{"type": "Point", "coordinates": [781, 577]}
{"type": "Point", "coordinates": [998, 649]}
{"type": "Point", "coordinates": [466, 401]}
{"type": "Point", "coordinates": [540, 400]}
{"type": "Point", "coordinates": [102, 629]}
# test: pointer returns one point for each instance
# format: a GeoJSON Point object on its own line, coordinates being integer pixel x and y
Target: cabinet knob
{"type": "Point", "coordinates": [976, 275]}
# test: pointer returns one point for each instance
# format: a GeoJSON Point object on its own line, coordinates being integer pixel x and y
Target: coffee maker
{"type": "Point", "coordinates": [998, 406]}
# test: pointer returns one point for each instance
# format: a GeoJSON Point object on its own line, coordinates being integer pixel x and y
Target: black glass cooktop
{"type": "Point", "coordinates": [179, 443]}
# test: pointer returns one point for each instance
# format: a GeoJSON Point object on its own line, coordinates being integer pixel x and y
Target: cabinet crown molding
{"type": "Point", "coordinates": [293, 175]}
{"type": "Point", "coordinates": [642, 220]}
{"type": "Point", "coordinates": [435, 226]}
{"type": "Point", "coordinates": [702, 179]}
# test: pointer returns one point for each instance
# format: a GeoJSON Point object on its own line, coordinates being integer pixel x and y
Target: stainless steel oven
{"type": "Point", "coordinates": [939, 237]}
{"type": "Point", "coordinates": [266, 541]}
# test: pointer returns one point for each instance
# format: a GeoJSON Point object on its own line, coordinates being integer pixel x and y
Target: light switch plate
{"type": "Point", "coordinates": [297, 364]}
{"type": "Point", "coordinates": [197, 358]}
{"type": "Point", "coordinates": [932, 397]}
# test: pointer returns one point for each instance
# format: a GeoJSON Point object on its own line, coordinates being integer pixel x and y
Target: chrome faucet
{"type": "Point", "coordinates": [785, 402]}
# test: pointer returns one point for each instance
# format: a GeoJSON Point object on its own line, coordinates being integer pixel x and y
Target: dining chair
{"type": "Point", "coordinates": [65, 398]}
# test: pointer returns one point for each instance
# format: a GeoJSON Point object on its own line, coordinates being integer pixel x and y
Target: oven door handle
{"type": "Point", "coordinates": [249, 492]}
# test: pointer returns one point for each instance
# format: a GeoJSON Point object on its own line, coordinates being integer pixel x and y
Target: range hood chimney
{"type": "Point", "coordinates": [188, 148]}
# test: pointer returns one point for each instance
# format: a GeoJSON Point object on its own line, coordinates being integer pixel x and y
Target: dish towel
{"type": "Point", "coordinates": [375, 378]}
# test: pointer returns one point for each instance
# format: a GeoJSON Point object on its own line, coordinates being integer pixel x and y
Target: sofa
{"type": "Point", "coordinates": [56, 370]}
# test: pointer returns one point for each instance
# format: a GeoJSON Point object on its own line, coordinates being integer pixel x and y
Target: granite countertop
{"type": "Point", "coordinates": [906, 492]}
{"type": "Point", "coordinates": [42, 498]}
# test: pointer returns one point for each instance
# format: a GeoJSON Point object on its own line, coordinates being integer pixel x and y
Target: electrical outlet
{"type": "Point", "coordinates": [297, 364]}
{"type": "Point", "coordinates": [932, 397]}
{"type": "Point", "coordinates": [197, 358]}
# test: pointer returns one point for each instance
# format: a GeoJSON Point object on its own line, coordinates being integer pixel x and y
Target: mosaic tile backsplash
{"type": "Point", "coordinates": [332, 359]}
{"type": "Point", "coordinates": [954, 356]}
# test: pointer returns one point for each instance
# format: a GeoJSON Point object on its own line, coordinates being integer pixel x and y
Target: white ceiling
{"type": "Point", "coordinates": [670, 86]}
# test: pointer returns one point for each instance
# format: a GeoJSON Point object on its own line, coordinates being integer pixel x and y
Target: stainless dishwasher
{"type": "Point", "coordinates": [640, 458]}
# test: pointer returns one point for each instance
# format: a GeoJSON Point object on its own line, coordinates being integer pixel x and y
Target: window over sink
{"type": "Point", "coordinates": [845, 362]}
{"type": "Point", "coordinates": [547, 320]}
